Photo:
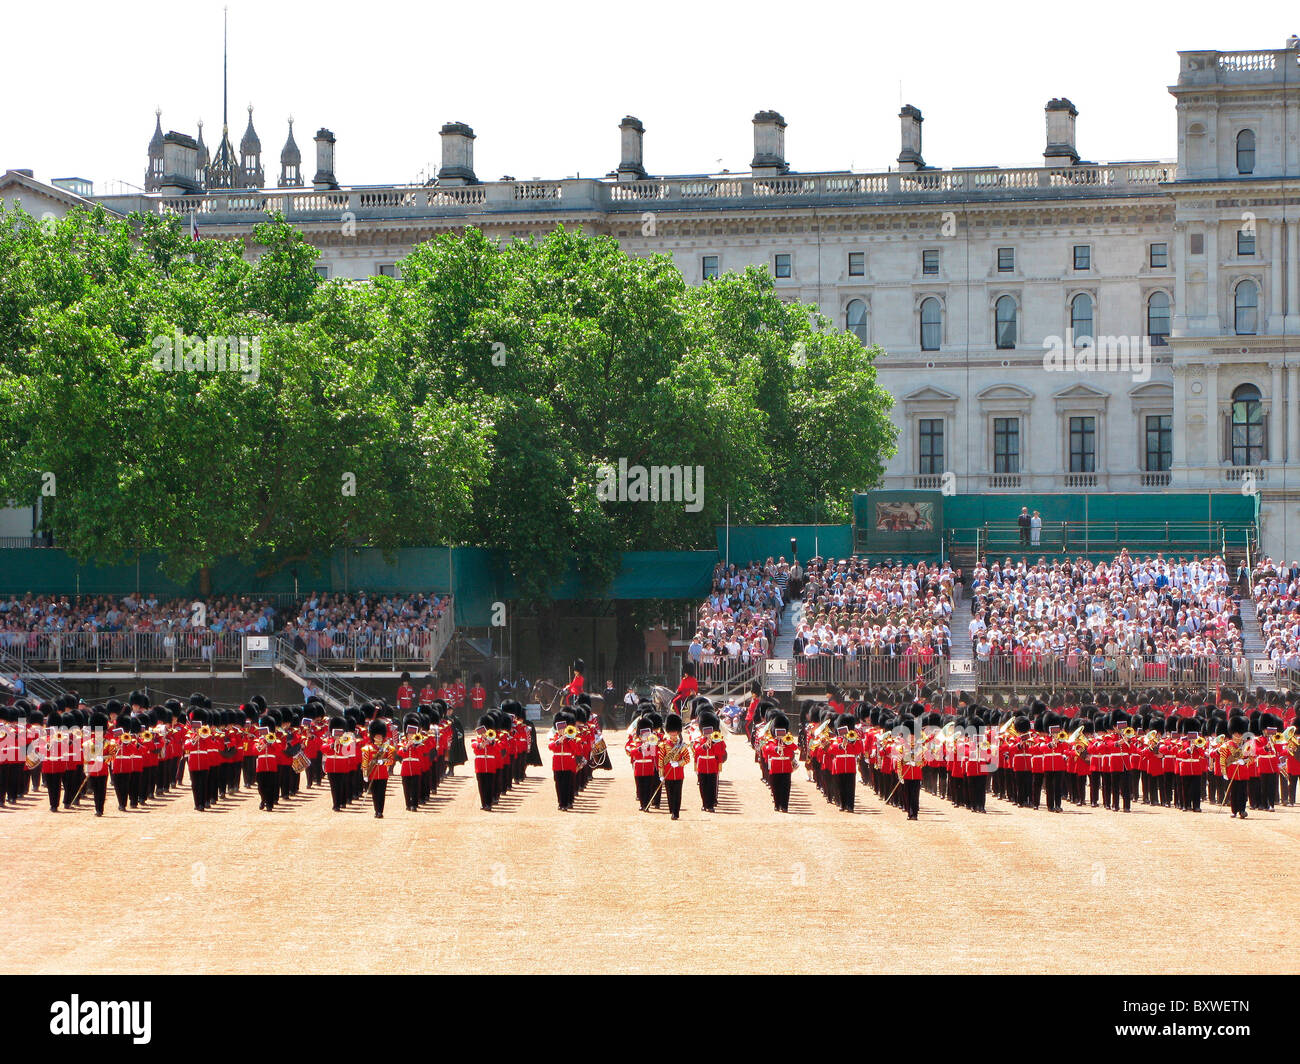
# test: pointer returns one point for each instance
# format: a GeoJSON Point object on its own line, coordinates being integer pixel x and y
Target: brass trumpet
{"type": "Point", "coordinates": [571, 731]}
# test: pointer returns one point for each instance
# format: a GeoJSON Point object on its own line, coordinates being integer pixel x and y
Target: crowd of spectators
{"type": "Point", "coordinates": [361, 626]}
{"type": "Point", "coordinates": [352, 625]}
{"type": "Point", "coordinates": [855, 609]}
{"type": "Point", "coordinates": [1277, 607]}
{"type": "Point", "coordinates": [1125, 619]}
{"type": "Point", "coordinates": [740, 620]}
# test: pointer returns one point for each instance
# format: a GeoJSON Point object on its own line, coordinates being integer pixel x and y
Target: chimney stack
{"type": "Point", "coordinates": [631, 165]}
{"type": "Point", "coordinates": [909, 159]}
{"type": "Point", "coordinates": [769, 145]}
{"type": "Point", "coordinates": [180, 164]}
{"type": "Point", "coordinates": [1060, 150]}
{"type": "Point", "coordinates": [457, 155]}
{"type": "Point", "coordinates": [324, 181]}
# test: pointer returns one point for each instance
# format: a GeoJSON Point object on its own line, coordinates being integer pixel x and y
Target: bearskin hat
{"type": "Point", "coordinates": [780, 721]}
{"type": "Point", "coordinates": [378, 729]}
{"type": "Point", "coordinates": [672, 723]}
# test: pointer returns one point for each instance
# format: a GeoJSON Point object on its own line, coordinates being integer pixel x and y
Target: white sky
{"type": "Point", "coordinates": [545, 85]}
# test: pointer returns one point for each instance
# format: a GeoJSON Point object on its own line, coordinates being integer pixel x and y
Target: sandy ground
{"type": "Point", "coordinates": [610, 889]}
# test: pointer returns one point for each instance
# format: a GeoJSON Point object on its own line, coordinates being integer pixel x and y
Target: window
{"type": "Point", "coordinates": [930, 261]}
{"type": "Point", "coordinates": [1246, 151]}
{"type": "Point", "coordinates": [323, 272]}
{"type": "Point", "coordinates": [1196, 243]}
{"type": "Point", "coordinates": [1083, 256]}
{"type": "Point", "coordinates": [783, 265]}
{"type": "Point", "coordinates": [931, 324]}
{"type": "Point", "coordinates": [1160, 442]}
{"type": "Point", "coordinates": [387, 270]}
{"type": "Point", "coordinates": [857, 264]}
{"type": "Point", "coordinates": [1081, 317]}
{"type": "Point", "coordinates": [1006, 260]}
{"type": "Point", "coordinates": [931, 445]}
{"type": "Point", "coordinates": [1005, 322]}
{"type": "Point", "coordinates": [1247, 426]}
{"type": "Point", "coordinates": [1245, 301]}
{"type": "Point", "coordinates": [1083, 445]}
{"type": "Point", "coordinates": [1159, 256]}
{"type": "Point", "coordinates": [1158, 318]}
{"type": "Point", "coordinates": [1006, 445]}
{"type": "Point", "coordinates": [855, 319]}
{"type": "Point", "coordinates": [1245, 242]}
{"type": "Point", "coordinates": [709, 267]}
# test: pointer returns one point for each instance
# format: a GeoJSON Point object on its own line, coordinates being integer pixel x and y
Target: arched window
{"type": "Point", "coordinates": [931, 324]}
{"type": "Point", "coordinates": [1081, 317]}
{"type": "Point", "coordinates": [1158, 318]}
{"type": "Point", "coordinates": [1005, 322]}
{"type": "Point", "coordinates": [1247, 426]}
{"type": "Point", "coordinates": [855, 319]}
{"type": "Point", "coordinates": [1246, 151]}
{"type": "Point", "coordinates": [1245, 302]}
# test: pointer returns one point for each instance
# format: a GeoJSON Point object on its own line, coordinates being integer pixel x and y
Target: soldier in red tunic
{"type": "Point", "coordinates": [673, 755]}
{"type": "Point", "coordinates": [477, 695]}
{"type": "Point", "coordinates": [687, 689]}
{"type": "Point", "coordinates": [406, 694]}
{"type": "Point", "coordinates": [428, 693]}
{"type": "Point", "coordinates": [487, 760]}
{"type": "Point", "coordinates": [565, 747]}
{"type": "Point", "coordinates": [575, 686]}
{"type": "Point", "coordinates": [842, 754]}
{"type": "Point", "coordinates": [642, 747]}
{"type": "Point", "coordinates": [377, 759]}
{"type": "Point", "coordinates": [780, 752]}
{"type": "Point", "coordinates": [710, 752]}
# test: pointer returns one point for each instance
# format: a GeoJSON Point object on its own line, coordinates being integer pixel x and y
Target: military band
{"type": "Point", "coordinates": [1174, 752]}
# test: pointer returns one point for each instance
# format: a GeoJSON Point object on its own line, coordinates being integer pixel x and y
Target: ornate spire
{"type": "Point", "coordinates": [153, 172]}
{"type": "Point", "coordinates": [250, 145]}
{"type": "Point", "coordinates": [290, 162]}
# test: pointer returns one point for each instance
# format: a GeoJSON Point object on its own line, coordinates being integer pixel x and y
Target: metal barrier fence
{"type": "Point", "coordinates": [876, 670]}
{"type": "Point", "coordinates": [1050, 673]}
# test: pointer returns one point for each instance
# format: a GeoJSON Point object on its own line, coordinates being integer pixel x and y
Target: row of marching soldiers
{"type": "Point", "coordinates": [1114, 759]}
{"type": "Point", "coordinates": [144, 751]}
{"type": "Point", "coordinates": [1107, 759]}
{"type": "Point", "coordinates": [504, 745]}
{"type": "Point", "coordinates": [661, 748]}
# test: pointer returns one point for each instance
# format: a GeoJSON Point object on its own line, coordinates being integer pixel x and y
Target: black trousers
{"type": "Point", "coordinates": [673, 788]}
{"type": "Point", "coordinates": [250, 771]}
{"type": "Point", "coordinates": [1052, 782]}
{"type": "Point", "coordinates": [486, 788]}
{"type": "Point", "coordinates": [119, 789]}
{"type": "Point", "coordinates": [912, 798]}
{"type": "Point", "coordinates": [198, 787]}
{"type": "Point", "coordinates": [411, 792]}
{"type": "Point", "coordinates": [708, 790]}
{"type": "Point", "coordinates": [780, 782]}
{"type": "Point", "coordinates": [98, 786]}
{"type": "Point", "coordinates": [378, 792]}
{"type": "Point", "coordinates": [53, 781]}
{"type": "Point", "coordinates": [844, 782]}
{"type": "Point", "coordinates": [338, 790]}
{"type": "Point", "coordinates": [72, 781]}
{"type": "Point", "coordinates": [1237, 796]}
{"type": "Point", "coordinates": [645, 790]}
{"type": "Point", "coordinates": [268, 788]}
{"type": "Point", "coordinates": [564, 788]}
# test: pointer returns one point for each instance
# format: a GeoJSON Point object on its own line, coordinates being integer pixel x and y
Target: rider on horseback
{"type": "Point", "coordinates": [688, 688]}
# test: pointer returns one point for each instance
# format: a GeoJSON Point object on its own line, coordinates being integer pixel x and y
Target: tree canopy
{"type": "Point", "coordinates": [475, 399]}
